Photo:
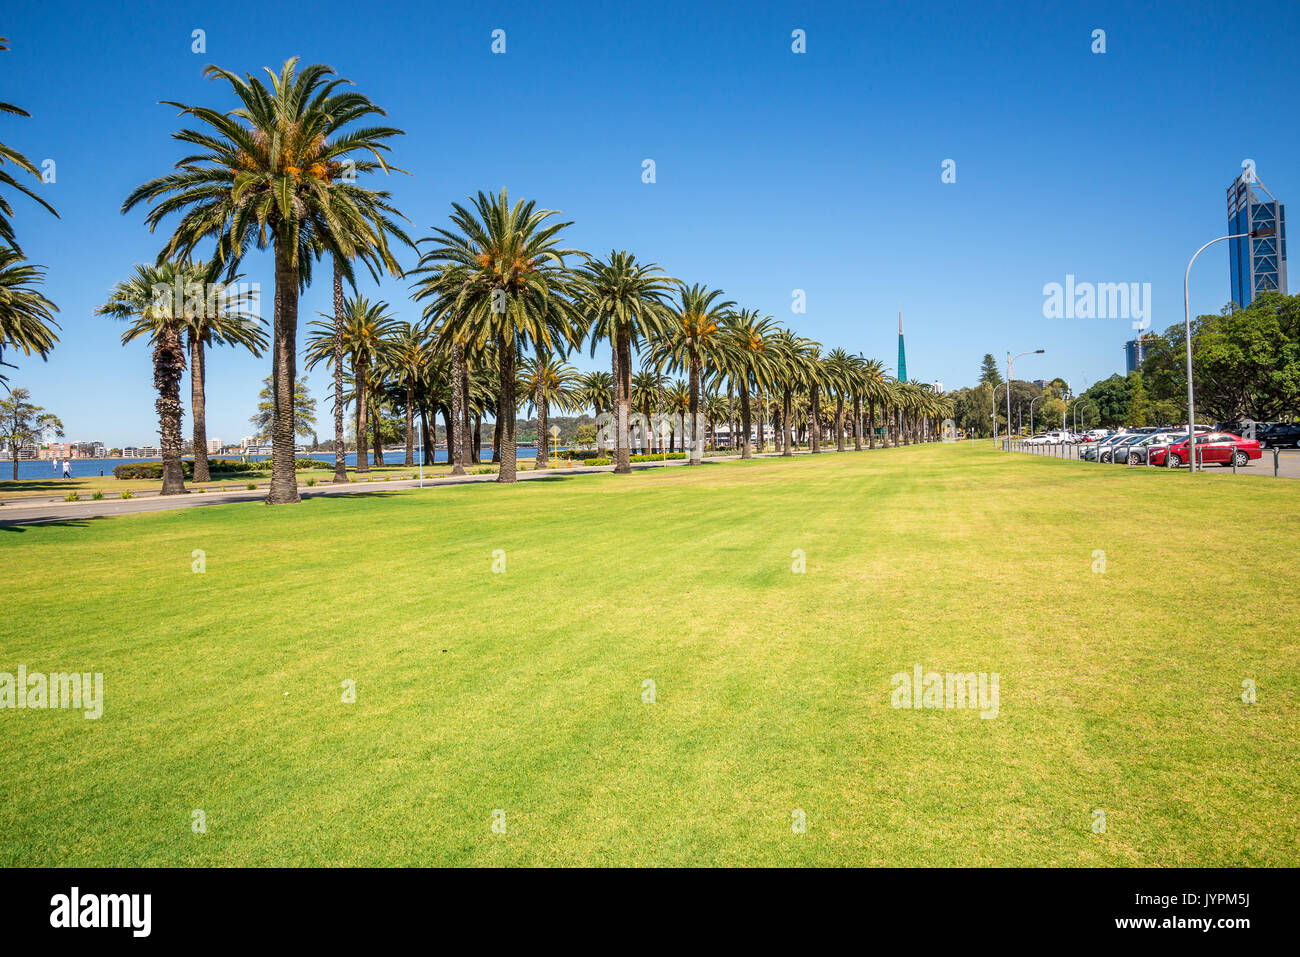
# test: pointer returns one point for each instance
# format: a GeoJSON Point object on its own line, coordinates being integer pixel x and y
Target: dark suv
{"type": "Point", "coordinates": [1280, 436]}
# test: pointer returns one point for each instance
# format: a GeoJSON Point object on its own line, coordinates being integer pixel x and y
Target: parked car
{"type": "Point", "coordinates": [1095, 435]}
{"type": "Point", "coordinates": [1118, 452]}
{"type": "Point", "coordinates": [1281, 435]}
{"type": "Point", "coordinates": [1137, 453]}
{"type": "Point", "coordinates": [1214, 447]}
{"type": "Point", "coordinates": [1101, 451]}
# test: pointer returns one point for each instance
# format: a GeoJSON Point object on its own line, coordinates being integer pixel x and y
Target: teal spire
{"type": "Point", "coordinates": [902, 354]}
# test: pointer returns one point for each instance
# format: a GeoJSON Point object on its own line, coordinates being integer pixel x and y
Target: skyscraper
{"type": "Point", "coordinates": [902, 355]}
{"type": "Point", "coordinates": [1255, 265]}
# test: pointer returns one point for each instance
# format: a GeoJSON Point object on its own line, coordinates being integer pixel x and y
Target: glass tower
{"type": "Point", "coordinates": [1255, 265]}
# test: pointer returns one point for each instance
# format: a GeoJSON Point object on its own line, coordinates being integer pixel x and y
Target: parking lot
{"type": "Point", "coordinates": [1288, 460]}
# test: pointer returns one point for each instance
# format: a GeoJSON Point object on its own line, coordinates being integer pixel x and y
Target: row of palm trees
{"type": "Point", "coordinates": [504, 302]}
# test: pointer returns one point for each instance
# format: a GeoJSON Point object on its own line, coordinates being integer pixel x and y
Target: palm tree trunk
{"type": "Point", "coordinates": [760, 427]}
{"type": "Point", "coordinates": [360, 363]}
{"type": "Point", "coordinates": [168, 366]}
{"type": "Point", "coordinates": [871, 423]}
{"type": "Point", "coordinates": [198, 407]}
{"type": "Point", "coordinates": [787, 410]}
{"type": "Point", "coordinates": [839, 423]}
{"type": "Point", "coordinates": [340, 443]}
{"type": "Point", "coordinates": [496, 434]}
{"type": "Point", "coordinates": [747, 448]}
{"type": "Point", "coordinates": [410, 426]}
{"type": "Point", "coordinates": [476, 448]}
{"type": "Point", "coordinates": [455, 429]}
{"type": "Point", "coordinates": [506, 413]}
{"type": "Point", "coordinates": [623, 389]}
{"type": "Point", "coordinates": [543, 458]}
{"type": "Point", "coordinates": [815, 419]}
{"type": "Point", "coordinates": [284, 379]}
{"type": "Point", "coordinates": [697, 453]}
{"type": "Point", "coordinates": [376, 433]}
{"type": "Point", "coordinates": [857, 422]}
{"type": "Point", "coordinates": [449, 424]}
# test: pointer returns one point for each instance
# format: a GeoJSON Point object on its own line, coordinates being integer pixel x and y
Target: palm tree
{"type": "Point", "coordinates": [838, 374]}
{"type": "Point", "coordinates": [794, 358]}
{"type": "Point", "coordinates": [371, 247]}
{"type": "Point", "coordinates": [10, 155]}
{"type": "Point", "coordinates": [26, 316]}
{"type": "Point", "coordinates": [506, 284]}
{"type": "Point", "coordinates": [274, 172]}
{"type": "Point", "coordinates": [407, 354]}
{"type": "Point", "coordinates": [694, 335]}
{"type": "Point", "coordinates": [367, 329]}
{"type": "Point", "coordinates": [549, 384]}
{"type": "Point", "coordinates": [871, 384]}
{"type": "Point", "coordinates": [226, 318]}
{"type": "Point", "coordinates": [596, 389]}
{"type": "Point", "coordinates": [624, 302]}
{"type": "Point", "coordinates": [677, 399]}
{"type": "Point", "coordinates": [647, 399]}
{"type": "Point", "coordinates": [747, 355]}
{"type": "Point", "coordinates": [158, 317]}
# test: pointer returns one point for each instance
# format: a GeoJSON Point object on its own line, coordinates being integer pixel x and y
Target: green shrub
{"type": "Point", "coordinates": [657, 457]}
{"type": "Point", "coordinates": [128, 494]}
{"type": "Point", "coordinates": [311, 482]}
{"type": "Point", "coordinates": [154, 470]}
{"type": "Point", "coordinates": [72, 497]}
{"type": "Point", "coordinates": [594, 461]}
{"type": "Point", "coordinates": [251, 486]}
{"type": "Point", "coordinates": [486, 470]}
{"type": "Point", "coordinates": [198, 489]}
{"type": "Point", "coordinates": [97, 496]}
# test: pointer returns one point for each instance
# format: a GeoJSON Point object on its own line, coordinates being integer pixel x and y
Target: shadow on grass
{"type": "Point", "coordinates": [19, 524]}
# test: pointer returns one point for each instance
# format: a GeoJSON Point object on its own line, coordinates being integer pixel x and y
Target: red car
{"type": "Point", "coordinates": [1220, 447]}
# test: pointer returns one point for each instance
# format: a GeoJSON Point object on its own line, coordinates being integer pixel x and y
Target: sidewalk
{"type": "Point", "coordinates": [45, 511]}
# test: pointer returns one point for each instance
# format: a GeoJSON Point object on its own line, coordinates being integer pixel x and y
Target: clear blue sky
{"type": "Point", "coordinates": [776, 171]}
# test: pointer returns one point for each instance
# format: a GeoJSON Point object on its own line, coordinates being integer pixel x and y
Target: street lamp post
{"type": "Point", "coordinates": [1037, 398]}
{"type": "Point", "coordinates": [1187, 328]}
{"type": "Point", "coordinates": [1011, 365]}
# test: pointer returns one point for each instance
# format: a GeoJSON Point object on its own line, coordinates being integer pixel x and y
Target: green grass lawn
{"type": "Point", "coordinates": [1119, 691]}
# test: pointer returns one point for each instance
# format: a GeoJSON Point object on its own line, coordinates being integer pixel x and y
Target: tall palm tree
{"type": "Point", "coordinates": [26, 316]}
{"type": "Point", "coordinates": [370, 245]}
{"type": "Point", "coordinates": [406, 356]}
{"type": "Point", "coordinates": [624, 302]}
{"type": "Point", "coordinates": [693, 337]}
{"type": "Point", "coordinates": [596, 389]}
{"type": "Point", "coordinates": [837, 374]}
{"type": "Point", "coordinates": [870, 384]}
{"type": "Point", "coordinates": [275, 171]}
{"type": "Point", "coordinates": [157, 316]}
{"type": "Point", "coordinates": [507, 285]}
{"type": "Point", "coordinates": [226, 317]}
{"type": "Point", "coordinates": [677, 400]}
{"type": "Point", "coordinates": [647, 399]}
{"type": "Point", "coordinates": [748, 357]}
{"type": "Point", "coordinates": [10, 155]}
{"type": "Point", "coordinates": [368, 328]}
{"type": "Point", "coordinates": [794, 359]}
{"type": "Point", "coordinates": [549, 383]}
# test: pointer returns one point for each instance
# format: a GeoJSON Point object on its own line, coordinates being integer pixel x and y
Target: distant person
{"type": "Point", "coordinates": [67, 469]}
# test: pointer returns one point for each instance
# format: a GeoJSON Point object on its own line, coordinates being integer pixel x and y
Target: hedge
{"type": "Point", "coordinates": [154, 470]}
